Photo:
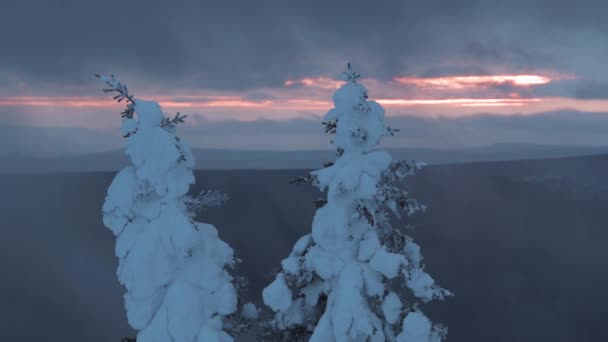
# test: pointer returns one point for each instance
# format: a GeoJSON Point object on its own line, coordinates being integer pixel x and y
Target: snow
{"type": "Point", "coordinates": [374, 286]}
{"type": "Point", "coordinates": [301, 245]}
{"type": "Point", "coordinates": [386, 263]}
{"type": "Point", "coordinates": [349, 169]}
{"type": "Point", "coordinates": [324, 263]}
{"type": "Point", "coordinates": [129, 126]}
{"type": "Point", "coordinates": [250, 312]}
{"type": "Point", "coordinates": [277, 295]}
{"type": "Point", "coordinates": [174, 269]}
{"type": "Point", "coordinates": [312, 292]}
{"type": "Point", "coordinates": [155, 153]}
{"type": "Point", "coordinates": [128, 237]}
{"type": "Point", "coordinates": [149, 113]}
{"type": "Point", "coordinates": [329, 227]}
{"type": "Point", "coordinates": [349, 261]}
{"type": "Point", "coordinates": [391, 307]}
{"type": "Point", "coordinates": [291, 264]}
{"type": "Point", "coordinates": [212, 332]}
{"type": "Point", "coordinates": [361, 122]}
{"type": "Point", "coordinates": [295, 314]}
{"type": "Point", "coordinates": [118, 207]}
{"type": "Point", "coordinates": [423, 286]}
{"type": "Point", "coordinates": [418, 328]}
{"type": "Point", "coordinates": [369, 246]}
{"type": "Point", "coordinates": [350, 314]}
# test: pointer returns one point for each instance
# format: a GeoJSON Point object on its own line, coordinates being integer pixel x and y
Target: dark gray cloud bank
{"type": "Point", "coordinates": [249, 44]}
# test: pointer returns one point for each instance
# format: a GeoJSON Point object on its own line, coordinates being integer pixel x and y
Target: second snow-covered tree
{"type": "Point", "coordinates": [174, 269]}
{"type": "Point", "coordinates": [342, 282]}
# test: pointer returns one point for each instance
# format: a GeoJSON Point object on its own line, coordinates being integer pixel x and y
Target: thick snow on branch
{"type": "Point", "coordinates": [174, 269]}
{"type": "Point", "coordinates": [335, 285]}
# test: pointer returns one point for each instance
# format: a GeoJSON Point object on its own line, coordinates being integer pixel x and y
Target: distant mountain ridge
{"type": "Point", "coordinates": [217, 159]}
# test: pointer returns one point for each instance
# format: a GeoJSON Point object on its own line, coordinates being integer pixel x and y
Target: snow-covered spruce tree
{"type": "Point", "coordinates": [355, 278]}
{"type": "Point", "coordinates": [174, 269]}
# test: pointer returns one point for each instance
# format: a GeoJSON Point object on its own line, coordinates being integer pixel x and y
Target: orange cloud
{"type": "Point", "coordinates": [318, 82]}
{"type": "Point", "coordinates": [52, 101]}
{"type": "Point", "coordinates": [459, 102]}
{"type": "Point", "coordinates": [72, 101]}
{"type": "Point", "coordinates": [463, 82]}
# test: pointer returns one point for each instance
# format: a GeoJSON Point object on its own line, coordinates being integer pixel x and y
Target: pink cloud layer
{"type": "Point", "coordinates": [436, 96]}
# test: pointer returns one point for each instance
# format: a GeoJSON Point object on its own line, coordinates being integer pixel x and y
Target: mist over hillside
{"type": "Point", "coordinates": [521, 244]}
{"type": "Point", "coordinates": [212, 159]}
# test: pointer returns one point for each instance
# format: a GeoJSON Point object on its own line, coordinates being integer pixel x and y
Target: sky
{"type": "Point", "coordinates": [260, 74]}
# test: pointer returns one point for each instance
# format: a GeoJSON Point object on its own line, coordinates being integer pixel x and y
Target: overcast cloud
{"type": "Point", "coordinates": [251, 48]}
{"type": "Point", "coordinates": [249, 44]}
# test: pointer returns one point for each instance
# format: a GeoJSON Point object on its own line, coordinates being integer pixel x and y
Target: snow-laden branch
{"type": "Point", "coordinates": [122, 94]}
{"type": "Point", "coordinates": [174, 121]}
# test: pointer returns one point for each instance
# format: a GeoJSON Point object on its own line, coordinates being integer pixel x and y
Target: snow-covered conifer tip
{"type": "Point", "coordinates": [122, 93]}
{"type": "Point", "coordinates": [350, 75]}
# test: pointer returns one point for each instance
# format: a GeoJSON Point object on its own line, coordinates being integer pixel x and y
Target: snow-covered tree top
{"type": "Point", "coordinates": [162, 161]}
{"type": "Point", "coordinates": [350, 75]}
{"type": "Point", "coordinates": [361, 121]}
{"type": "Point", "coordinates": [174, 268]}
{"type": "Point", "coordinates": [340, 281]}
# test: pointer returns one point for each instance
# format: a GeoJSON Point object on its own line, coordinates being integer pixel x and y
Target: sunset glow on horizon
{"type": "Point", "coordinates": [451, 96]}
{"type": "Point", "coordinates": [319, 82]}
{"type": "Point", "coordinates": [239, 102]}
{"type": "Point", "coordinates": [460, 102]}
{"type": "Point", "coordinates": [462, 82]}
